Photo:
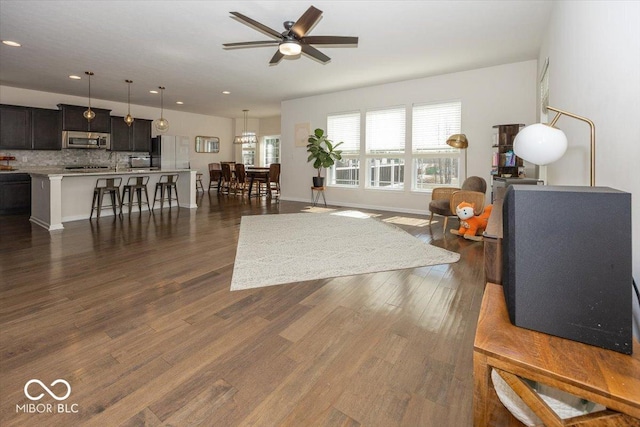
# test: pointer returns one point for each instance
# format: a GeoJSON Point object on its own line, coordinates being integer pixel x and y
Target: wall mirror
{"type": "Point", "coordinates": [207, 144]}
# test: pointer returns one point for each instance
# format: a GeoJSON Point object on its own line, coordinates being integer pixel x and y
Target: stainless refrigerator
{"type": "Point", "coordinates": [170, 152]}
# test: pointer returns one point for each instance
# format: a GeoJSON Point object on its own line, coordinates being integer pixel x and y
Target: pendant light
{"type": "Point", "coordinates": [128, 119]}
{"type": "Point", "coordinates": [88, 113]}
{"type": "Point", "coordinates": [162, 124]}
{"type": "Point", "coordinates": [246, 137]}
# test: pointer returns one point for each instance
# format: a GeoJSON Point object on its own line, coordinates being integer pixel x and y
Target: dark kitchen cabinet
{"type": "Point", "coordinates": [15, 127]}
{"type": "Point", "coordinates": [136, 137]}
{"type": "Point", "coordinates": [141, 138]}
{"type": "Point", "coordinates": [120, 134]}
{"type": "Point", "coordinates": [27, 128]}
{"type": "Point", "coordinates": [46, 128]}
{"type": "Point", "coordinates": [15, 193]}
{"type": "Point", "coordinates": [73, 119]}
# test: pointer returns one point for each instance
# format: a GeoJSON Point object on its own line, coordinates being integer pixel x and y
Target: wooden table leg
{"type": "Point", "coordinates": [481, 381]}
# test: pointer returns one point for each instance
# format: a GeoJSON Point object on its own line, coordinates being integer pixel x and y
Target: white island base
{"type": "Point", "coordinates": [58, 197]}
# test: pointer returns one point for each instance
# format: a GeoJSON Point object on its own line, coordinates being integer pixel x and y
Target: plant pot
{"type": "Point", "coordinates": [318, 181]}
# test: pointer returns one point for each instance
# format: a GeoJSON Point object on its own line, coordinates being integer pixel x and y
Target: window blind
{"type": "Point", "coordinates": [433, 124]}
{"type": "Point", "coordinates": [345, 128]}
{"type": "Point", "coordinates": [386, 130]}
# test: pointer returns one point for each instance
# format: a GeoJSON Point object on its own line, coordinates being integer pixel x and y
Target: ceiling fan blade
{"type": "Point", "coordinates": [276, 58]}
{"type": "Point", "coordinates": [257, 25]}
{"type": "Point", "coordinates": [252, 44]}
{"type": "Point", "coordinates": [330, 40]}
{"type": "Point", "coordinates": [315, 53]}
{"type": "Point", "coordinates": [306, 22]}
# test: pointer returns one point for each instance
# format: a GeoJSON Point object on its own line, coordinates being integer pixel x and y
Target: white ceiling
{"type": "Point", "coordinates": [178, 44]}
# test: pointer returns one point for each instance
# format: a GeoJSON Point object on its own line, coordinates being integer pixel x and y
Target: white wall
{"type": "Point", "coordinates": [490, 96]}
{"type": "Point", "coordinates": [180, 123]}
{"type": "Point", "coordinates": [270, 126]}
{"type": "Point", "coordinates": [594, 58]}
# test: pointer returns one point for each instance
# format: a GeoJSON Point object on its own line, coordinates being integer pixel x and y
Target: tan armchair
{"type": "Point", "coordinates": [445, 199]}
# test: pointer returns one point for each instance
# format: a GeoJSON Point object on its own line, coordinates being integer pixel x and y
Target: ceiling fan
{"type": "Point", "coordinates": [293, 40]}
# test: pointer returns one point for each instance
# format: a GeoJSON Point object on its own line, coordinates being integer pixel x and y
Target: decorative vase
{"type": "Point", "coordinates": [318, 181]}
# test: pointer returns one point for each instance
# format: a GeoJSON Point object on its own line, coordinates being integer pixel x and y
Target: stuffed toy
{"type": "Point", "coordinates": [470, 224]}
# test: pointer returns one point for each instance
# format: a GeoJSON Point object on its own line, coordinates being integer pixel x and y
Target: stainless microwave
{"type": "Point", "coordinates": [72, 139]}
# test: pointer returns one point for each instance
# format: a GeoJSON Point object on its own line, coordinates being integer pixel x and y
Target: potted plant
{"type": "Point", "coordinates": [323, 153]}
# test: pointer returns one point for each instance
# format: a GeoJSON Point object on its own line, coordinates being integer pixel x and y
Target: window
{"type": "Point", "coordinates": [249, 153]}
{"type": "Point", "coordinates": [385, 148]}
{"type": "Point", "coordinates": [345, 128]}
{"type": "Point", "coordinates": [435, 164]}
{"type": "Point", "coordinates": [270, 150]}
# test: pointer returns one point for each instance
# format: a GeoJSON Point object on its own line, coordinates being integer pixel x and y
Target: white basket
{"type": "Point", "coordinates": [565, 405]}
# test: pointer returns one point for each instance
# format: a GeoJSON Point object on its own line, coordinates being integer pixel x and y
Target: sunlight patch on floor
{"type": "Point", "coordinates": [403, 220]}
{"type": "Point", "coordinates": [316, 209]}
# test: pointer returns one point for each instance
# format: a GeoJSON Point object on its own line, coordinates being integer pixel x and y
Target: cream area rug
{"type": "Point", "coordinates": [285, 248]}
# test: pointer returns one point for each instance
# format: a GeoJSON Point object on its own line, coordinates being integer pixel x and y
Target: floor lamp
{"type": "Point", "coordinates": [459, 140]}
{"type": "Point", "coordinates": [542, 144]}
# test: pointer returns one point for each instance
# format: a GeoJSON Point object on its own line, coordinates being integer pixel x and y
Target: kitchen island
{"type": "Point", "coordinates": [59, 195]}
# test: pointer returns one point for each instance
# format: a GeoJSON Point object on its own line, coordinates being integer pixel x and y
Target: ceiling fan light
{"type": "Point", "coordinates": [290, 48]}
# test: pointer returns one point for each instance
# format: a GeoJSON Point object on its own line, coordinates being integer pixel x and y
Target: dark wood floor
{"type": "Point", "coordinates": [136, 314]}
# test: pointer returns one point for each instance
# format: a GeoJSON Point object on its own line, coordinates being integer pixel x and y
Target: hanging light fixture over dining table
{"type": "Point", "coordinates": [246, 137]}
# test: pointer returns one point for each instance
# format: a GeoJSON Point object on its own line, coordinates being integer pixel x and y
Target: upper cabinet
{"type": "Point", "coordinates": [136, 137]}
{"type": "Point", "coordinates": [26, 128]}
{"type": "Point", "coordinates": [141, 139]}
{"type": "Point", "coordinates": [46, 128]}
{"type": "Point", "coordinates": [15, 127]}
{"type": "Point", "coordinates": [73, 119]}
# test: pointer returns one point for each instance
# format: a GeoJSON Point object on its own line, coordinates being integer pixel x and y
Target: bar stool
{"type": "Point", "coordinates": [137, 184]}
{"type": "Point", "coordinates": [104, 186]}
{"type": "Point", "coordinates": [166, 184]}
{"type": "Point", "coordinates": [199, 186]}
{"type": "Point", "coordinates": [315, 195]}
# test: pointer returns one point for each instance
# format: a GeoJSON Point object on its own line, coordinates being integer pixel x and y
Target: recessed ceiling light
{"type": "Point", "coordinates": [74, 77]}
{"type": "Point", "coordinates": [179, 102]}
{"type": "Point", "coordinates": [11, 43]}
{"type": "Point", "coordinates": [226, 92]}
{"type": "Point", "coordinates": [153, 91]}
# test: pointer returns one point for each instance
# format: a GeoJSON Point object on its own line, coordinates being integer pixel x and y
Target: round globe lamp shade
{"type": "Point", "coordinates": [540, 144]}
{"type": "Point", "coordinates": [162, 124]}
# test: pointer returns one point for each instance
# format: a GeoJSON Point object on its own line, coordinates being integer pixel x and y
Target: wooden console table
{"type": "Point", "coordinates": [602, 376]}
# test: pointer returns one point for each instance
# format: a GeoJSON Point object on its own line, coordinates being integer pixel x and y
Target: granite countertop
{"type": "Point", "coordinates": [59, 170]}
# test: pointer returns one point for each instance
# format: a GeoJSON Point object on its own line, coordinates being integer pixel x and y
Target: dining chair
{"type": "Point", "coordinates": [274, 180]}
{"type": "Point", "coordinates": [227, 179]}
{"type": "Point", "coordinates": [215, 175]}
{"type": "Point", "coordinates": [241, 179]}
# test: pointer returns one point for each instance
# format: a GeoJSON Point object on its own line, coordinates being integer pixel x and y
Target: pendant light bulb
{"type": "Point", "coordinates": [161, 124]}
{"type": "Point", "coordinates": [128, 118]}
{"type": "Point", "coordinates": [88, 113]}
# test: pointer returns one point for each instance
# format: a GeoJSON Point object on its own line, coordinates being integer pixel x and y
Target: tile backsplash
{"type": "Point", "coordinates": [53, 158]}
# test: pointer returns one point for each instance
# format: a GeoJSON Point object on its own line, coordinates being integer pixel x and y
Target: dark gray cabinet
{"type": "Point", "coordinates": [136, 137]}
{"type": "Point", "coordinates": [46, 129]}
{"type": "Point", "coordinates": [28, 128]}
{"type": "Point", "coordinates": [15, 127]}
{"type": "Point", "coordinates": [141, 138]}
{"type": "Point", "coordinates": [73, 119]}
{"type": "Point", "coordinates": [15, 193]}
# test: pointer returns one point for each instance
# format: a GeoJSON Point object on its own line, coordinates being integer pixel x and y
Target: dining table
{"type": "Point", "coordinates": [258, 174]}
